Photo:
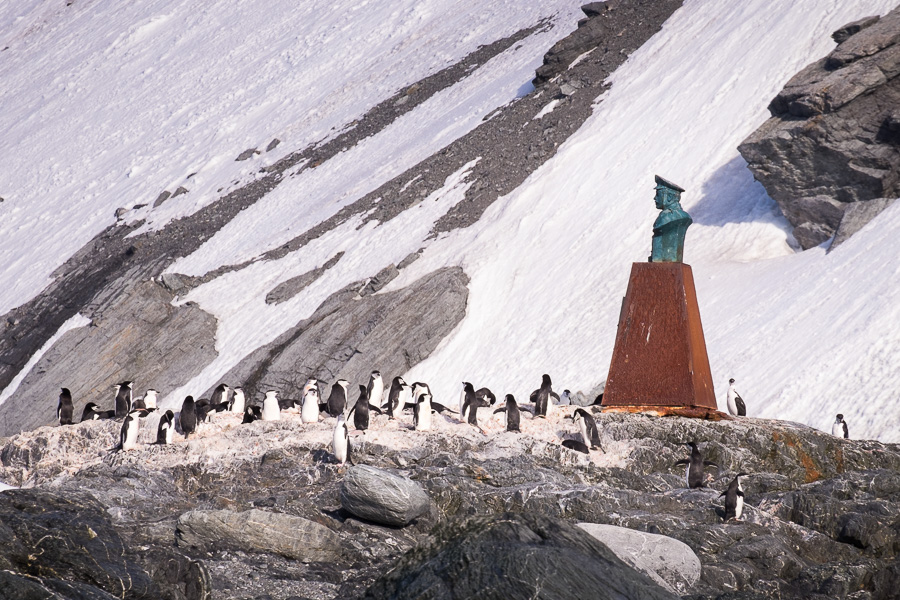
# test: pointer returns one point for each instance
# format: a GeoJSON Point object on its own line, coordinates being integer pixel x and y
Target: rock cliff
{"type": "Point", "coordinates": [822, 518]}
{"type": "Point", "coordinates": [832, 146]}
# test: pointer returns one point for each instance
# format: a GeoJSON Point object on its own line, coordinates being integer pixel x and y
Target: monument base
{"type": "Point", "coordinates": [659, 363]}
{"type": "Point", "coordinates": [693, 412]}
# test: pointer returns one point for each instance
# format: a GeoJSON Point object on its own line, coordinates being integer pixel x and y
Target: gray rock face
{"type": "Point", "coordinates": [382, 497]}
{"type": "Point", "coordinates": [831, 141]}
{"type": "Point", "coordinates": [293, 286]}
{"type": "Point", "coordinates": [140, 336]}
{"type": "Point", "coordinates": [66, 545]}
{"type": "Point", "coordinates": [513, 556]}
{"type": "Point", "coordinates": [349, 335]}
{"type": "Point", "coordinates": [668, 562]}
{"type": "Point", "coordinates": [258, 531]}
{"type": "Point", "coordinates": [857, 216]}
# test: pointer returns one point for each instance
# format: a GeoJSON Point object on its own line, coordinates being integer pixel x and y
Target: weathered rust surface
{"type": "Point", "coordinates": [694, 412]}
{"type": "Point", "coordinates": [660, 359]}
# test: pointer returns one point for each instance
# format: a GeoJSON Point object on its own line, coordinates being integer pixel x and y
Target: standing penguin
{"type": "Point", "coordinates": [839, 428]}
{"type": "Point", "coordinates": [165, 428]}
{"type": "Point", "coordinates": [395, 403]}
{"type": "Point", "coordinates": [588, 426]}
{"type": "Point", "coordinates": [362, 408]}
{"type": "Point", "coordinates": [123, 399]}
{"type": "Point", "coordinates": [543, 397]}
{"type": "Point", "coordinates": [65, 409]}
{"type": "Point", "coordinates": [337, 400]}
{"type": "Point", "coordinates": [271, 411]}
{"type": "Point", "coordinates": [695, 464]}
{"type": "Point", "coordinates": [237, 401]}
{"type": "Point", "coordinates": [128, 435]}
{"type": "Point", "coordinates": [734, 498]}
{"type": "Point", "coordinates": [735, 403]}
{"type": "Point", "coordinates": [565, 398]}
{"type": "Point", "coordinates": [340, 443]}
{"type": "Point", "coordinates": [309, 412]}
{"type": "Point", "coordinates": [150, 398]}
{"type": "Point", "coordinates": [422, 412]}
{"type": "Point", "coordinates": [466, 399]}
{"type": "Point", "coordinates": [188, 416]}
{"type": "Point", "coordinates": [375, 389]}
{"type": "Point", "coordinates": [512, 413]}
{"type": "Point", "coordinates": [218, 402]}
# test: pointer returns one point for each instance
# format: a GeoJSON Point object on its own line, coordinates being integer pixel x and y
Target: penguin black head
{"type": "Point", "coordinates": [840, 417]}
{"type": "Point", "coordinates": [545, 379]}
{"type": "Point", "coordinates": [731, 381]}
{"type": "Point", "coordinates": [468, 387]}
{"type": "Point", "coordinates": [510, 398]}
{"type": "Point", "coordinates": [376, 373]}
{"type": "Point", "coordinates": [65, 391]}
{"type": "Point", "coordinates": [363, 389]}
{"type": "Point", "coordinates": [691, 445]}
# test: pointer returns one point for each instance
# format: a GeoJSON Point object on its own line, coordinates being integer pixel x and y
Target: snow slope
{"type": "Point", "coordinates": [163, 89]}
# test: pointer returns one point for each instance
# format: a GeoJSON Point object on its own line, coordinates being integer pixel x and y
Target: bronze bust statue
{"type": "Point", "coordinates": [671, 224]}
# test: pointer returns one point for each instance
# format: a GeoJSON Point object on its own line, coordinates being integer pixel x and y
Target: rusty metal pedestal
{"type": "Point", "coordinates": [659, 363]}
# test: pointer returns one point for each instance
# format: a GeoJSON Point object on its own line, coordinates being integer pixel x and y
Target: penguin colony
{"type": "Point", "coordinates": [315, 406]}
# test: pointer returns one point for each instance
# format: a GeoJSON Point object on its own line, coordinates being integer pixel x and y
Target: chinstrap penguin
{"type": "Point", "coordinates": [65, 408]}
{"type": "Point", "coordinates": [734, 498]}
{"type": "Point", "coordinates": [576, 446]}
{"type": "Point", "coordinates": [123, 399]}
{"type": "Point", "coordinates": [512, 413]}
{"type": "Point", "coordinates": [735, 403]}
{"type": "Point", "coordinates": [237, 401]}
{"type": "Point", "coordinates": [166, 428]}
{"type": "Point", "coordinates": [543, 397]}
{"type": "Point", "coordinates": [839, 428]}
{"type": "Point", "coordinates": [588, 427]}
{"type": "Point", "coordinates": [337, 400]}
{"type": "Point", "coordinates": [187, 418]}
{"type": "Point", "coordinates": [93, 413]}
{"type": "Point", "coordinates": [694, 474]}
{"type": "Point", "coordinates": [340, 443]}
{"type": "Point", "coordinates": [128, 435]}
{"type": "Point", "coordinates": [422, 412]}
{"type": "Point", "coordinates": [309, 411]}
{"type": "Point", "coordinates": [375, 389]}
{"type": "Point", "coordinates": [271, 411]}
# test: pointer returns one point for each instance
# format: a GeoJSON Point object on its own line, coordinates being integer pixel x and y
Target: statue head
{"type": "Point", "coordinates": [668, 195]}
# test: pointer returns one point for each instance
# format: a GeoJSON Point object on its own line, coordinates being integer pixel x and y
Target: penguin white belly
{"type": "Point", "coordinates": [169, 431]}
{"type": "Point", "coordinates": [309, 413]}
{"type": "Point", "coordinates": [131, 435]}
{"type": "Point", "coordinates": [462, 402]}
{"type": "Point", "coordinates": [238, 405]}
{"type": "Point", "coordinates": [339, 443]}
{"type": "Point", "coordinates": [837, 430]}
{"type": "Point", "coordinates": [424, 422]}
{"type": "Point", "coordinates": [584, 434]}
{"type": "Point", "coordinates": [271, 412]}
{"type": "Point", "coordinates": [404, 399]}
{"type": "Point", "coordinates": [687, 476]}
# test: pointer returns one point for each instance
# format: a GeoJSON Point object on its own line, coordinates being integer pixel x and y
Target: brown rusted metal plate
{"type": "Point", "coordinates": [694, 412]}
{"type": "Point", "coordinates": [660, 354]}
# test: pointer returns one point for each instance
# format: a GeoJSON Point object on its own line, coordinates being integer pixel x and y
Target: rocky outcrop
{"type": "Point", "coordinates": [515, 556]}
{"type": "Point", "coordinates": [140, 335]}
{"type": "Point", "coordinates": [353, 332]}
{"type": "Point", "coordinates": [820, 520]}
{"type": "Point", "coordinates": [382, 497]}
{"type": "Point", "coordinates": [834, 139]}
{"type": "Point", "coordinates": [668, 562]}
{"type": "Point", "coordinates": [257, 531]}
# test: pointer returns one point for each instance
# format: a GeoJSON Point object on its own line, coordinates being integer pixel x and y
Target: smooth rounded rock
{"type": "Point", "coordinates": [382, 497]}
{"type": "Point", "coordinates": [669, 562]}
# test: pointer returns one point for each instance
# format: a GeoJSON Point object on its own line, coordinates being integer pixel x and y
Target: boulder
{"type": "Point", "coordinates": [376, 495]}
{"type": "Point", "coordinates": [857, 216]}
{"type": "Point", "coordinates": [258, 531]}
{"type": "Point", "coordinates": [832, 141]}
{"type": "Point", "coordinates": [667, 561]}
{"type": "Point", "coordinates": [513, 556]}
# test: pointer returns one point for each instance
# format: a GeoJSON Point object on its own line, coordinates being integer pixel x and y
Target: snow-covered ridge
{"type": "Point", "coordinates": [163, 89]}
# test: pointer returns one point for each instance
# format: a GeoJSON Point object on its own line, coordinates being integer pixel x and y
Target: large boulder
{"type": "Point", "coordinates": [382, 497]}
{"type": "Point", "coordinates": [513, 556]}
{"type": "Point", "coordinates": [834, 136]}
{"type": "Point", "coordinates": [667, 561]}
{"type": "Point", "coordinates": [258, 531]}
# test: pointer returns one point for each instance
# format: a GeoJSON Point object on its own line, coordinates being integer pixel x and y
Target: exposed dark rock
{"type": "Point", "coordinates": [139, 333]}
{"type": "Point", "coordinates": [258, 531]}
{"type": "Point", "coordinates": [381, 279]}
{"type": "Point", "coordinates": [856, 216]}
{"type": "Point", "coordinates": [247, 154]}
{"type": "Point", "coordinates": [273, 144]}
{"type": "Point", "coordinates": [69, 540]}
{"type": "Point", "coordinates": [830, 141]}
{"type": "Point", "coordinates": [348, 334]}
{"type": "Point", "coordinates": [179, 191]}
{"type": "Point", "coordinates": [841, 35]}
{"type": "Point", "coordinates": [382, 497]}
{"type": "Point", "coordinates": [513, 556]}
{"type": "Point", "coordinates": [820, 520]}
{"type": "Point", "coordinates": [163, 196]}
{"type": "Point", "coordinates": [288, 289]}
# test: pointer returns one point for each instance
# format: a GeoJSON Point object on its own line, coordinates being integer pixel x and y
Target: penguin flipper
{"type": "Point", "coordinates": [501, 409]}
{"type": "Point", "coordinates": [533, 396]}
{"type": "Point", "coordinates": [742, 408]}
{"type": "Point", "coordinates": [683, 461]}
{"type": "Point", "coordinates": [709, 463]}
{"type": "Point", "coordinates": [441, 408]}
{"type": "Point", "coordinates": [376, 409]}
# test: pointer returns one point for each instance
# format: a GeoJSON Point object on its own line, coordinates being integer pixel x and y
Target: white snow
{"type": "Point", "coordinates": [108, 104]}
